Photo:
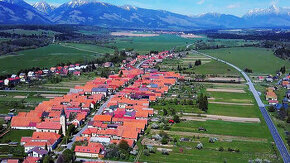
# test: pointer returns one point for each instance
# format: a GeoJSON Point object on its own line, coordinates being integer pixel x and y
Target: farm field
{"type": "Point", "coordinates": [232, 101]}
{"type": "Point", "coordinates": [224, 128]}
{"type": "Point", "coordinates": [144, 44]}
{"type": "Point", "coordinates": [208, 66]}
{"type": "Point", "coordinates": [46, 57]}
{"type": "Point", "coordinates": [260, 60]}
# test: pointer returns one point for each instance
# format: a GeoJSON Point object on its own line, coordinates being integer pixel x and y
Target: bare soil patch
{"type": "Point", "coordinates": [51, 95]}
{"type": "Point", "coordinates": [225, 79]}
{"type": "Point", "coordinates": [190, 36]}
{"type": "Point", "coordinates": [194, 116]}
{"type": "Point", "coordinates": [129, 34]}
{"type": "Point", "coordinates": [226, 90]}
{"type": "Point", "coordinates": [230, 103]}
{"type": "Point", "coordinates": [20, 97]}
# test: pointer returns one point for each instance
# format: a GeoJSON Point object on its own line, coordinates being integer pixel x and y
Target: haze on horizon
{"type": "Point", "coordinates": [192, 7]}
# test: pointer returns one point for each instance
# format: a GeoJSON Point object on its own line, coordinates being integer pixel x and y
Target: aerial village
{"type": "Point", "coordinates": [123, 116]}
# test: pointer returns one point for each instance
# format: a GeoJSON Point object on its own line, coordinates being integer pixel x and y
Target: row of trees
{"type": "Point", "coordinates": [202, 102]}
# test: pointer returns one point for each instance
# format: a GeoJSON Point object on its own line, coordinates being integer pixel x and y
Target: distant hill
{"type": "Point", "coordinates": [90, 12]}
{"type": "Point", "coordinates": [20, 12]}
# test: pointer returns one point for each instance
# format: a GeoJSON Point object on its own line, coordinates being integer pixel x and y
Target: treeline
{"type": "Point", "coordinates": [281, 36]}
{"type": "Point", "coordinates": [283, 53]}
{"type": "Point", "coordinates": [11, 46]}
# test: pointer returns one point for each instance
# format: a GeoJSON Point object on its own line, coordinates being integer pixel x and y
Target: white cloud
{"type": "Point", "coordinates": [200, 2]}
{"type": "Point", "coordinates": [231, 6]}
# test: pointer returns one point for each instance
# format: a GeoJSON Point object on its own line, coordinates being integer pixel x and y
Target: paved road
{"type": "Point", "coordinates": [100, 111]}
{"type": "Point", "coordinates": [275, 134]}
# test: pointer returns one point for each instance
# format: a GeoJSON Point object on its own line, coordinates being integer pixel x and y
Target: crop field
{"type": "Point", "coordinates": [208, 66]}
{"type": "Point", "coordinates": [144, 44]}
{"type": "Point", "coordinates": [224, 128]}
{"type": "Point", "coordinates": [46, 57]}
{"type": "Point", "coordinates": [260, 60]}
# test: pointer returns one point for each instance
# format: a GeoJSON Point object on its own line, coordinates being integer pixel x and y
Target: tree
{"type": "Point", "coordinates": [283, 69]}
{"type": "Point", "coordinates": [164, 140]}
{"type": "Point", "coordinates": [197, 62]}
{"type": "Point", "coordinates": [121, 74]}
{"type": "Point", "coordinates": [47, 159]}
{"type": "Point", "coordinates": [71, 129]}
{"type": "Point", "coordinates": [271, 108]}
{"type": "Point", "coordinates": [124, 145]}
{"type": "Point", "coordinates": [176, 119]}
{"type": "Point", "coordinates": [165, 112]}
{"type": "Point", "coordinates": [68, 155]}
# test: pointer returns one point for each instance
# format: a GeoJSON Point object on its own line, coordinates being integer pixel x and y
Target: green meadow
{"type": "Point", "coordinates": [48, 56]}
{"type": "Point", "coordinates": [260, 60]}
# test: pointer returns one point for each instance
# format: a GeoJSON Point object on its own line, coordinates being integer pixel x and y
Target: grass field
{"type": "Point", "coordinates": [210, 153]}
{"type": "Point", "coordinates": [260, 60]}
{"type": "Point", "coordinates": [224, 128]}
{"type": "Point", "coordinates": [46, 57]}
{"type": "Point", "coordinates": [144, 44]}
{"type": "Point", "coordinates": [15, 135]}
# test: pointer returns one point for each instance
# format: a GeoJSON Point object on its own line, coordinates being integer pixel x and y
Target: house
{"type": "Point", "coordinates": [269, 79]}
{"type": "Point", "coordinates": [103, 91]}
{"type": "Point", "coordinates": [108, 64]}
{"type": "Point", "coordinates": [54, 127]}
{"type": "Point", "coordinates": [93, 150]}
{"type": "Point", "coordinates": [37, 152]}
{"type": "Point", "coordinates": [103, 118]}
{"type": "Point", "coordinates": [10, 161]}
{"type": "Point", "coordinates": [271, 96]}
{"type": "Point", "coordinates": [41, 139]}
{"type": "Point", "coordinates": [30, 74]}
{"type": "Point", "coordinates": [286, 84]}
{"type": "Point", "coordinates": [77, 73]}
{"type": "Point", "coordinates": [273, 102]}
{"type": "Point", "coordinates": [30, 159]}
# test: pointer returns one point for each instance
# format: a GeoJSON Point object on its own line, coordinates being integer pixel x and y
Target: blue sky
{"type": "Point", "coordinates": [194, 7]}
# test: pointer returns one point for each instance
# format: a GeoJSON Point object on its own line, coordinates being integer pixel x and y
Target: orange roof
{"type": "Point", "coordinates": [103, 118]}
{"type": "Point", "coordinates": [31, 160]}
{"type": "Point", "coordinates": [49, 125]}
{"type": "Point", "coordinates": [95, 148]}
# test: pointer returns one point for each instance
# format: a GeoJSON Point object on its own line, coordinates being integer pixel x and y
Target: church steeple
{"type": "Point", "coordinates": [63, 122]}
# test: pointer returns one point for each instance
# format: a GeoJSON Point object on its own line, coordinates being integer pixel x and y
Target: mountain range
{"type": "Point", "coordinates": [91, 12]}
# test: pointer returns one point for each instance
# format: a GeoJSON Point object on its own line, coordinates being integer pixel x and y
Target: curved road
{"type": "Point", "coordinates": [275, 134]}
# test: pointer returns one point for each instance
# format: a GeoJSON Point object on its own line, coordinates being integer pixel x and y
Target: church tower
{"type": "Point", "coordinates": [63, 122]}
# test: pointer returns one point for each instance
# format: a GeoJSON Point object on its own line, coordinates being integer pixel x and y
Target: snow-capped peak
{"type": "Point", "coordinates": [129, 7]}
{"type": "Point", "coordinates": [77, 3]}
{"type": "Point", "coordinates": [273, 9]}
{"type": "Point", "coordinates": [43, 7]}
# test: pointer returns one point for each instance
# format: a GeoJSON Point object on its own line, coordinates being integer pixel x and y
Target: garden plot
{"type": "Point", "coordinates": [50, 96]}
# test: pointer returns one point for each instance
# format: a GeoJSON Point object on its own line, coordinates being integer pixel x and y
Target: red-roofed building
{"type": "Point", "coordinates": [93, 150]}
